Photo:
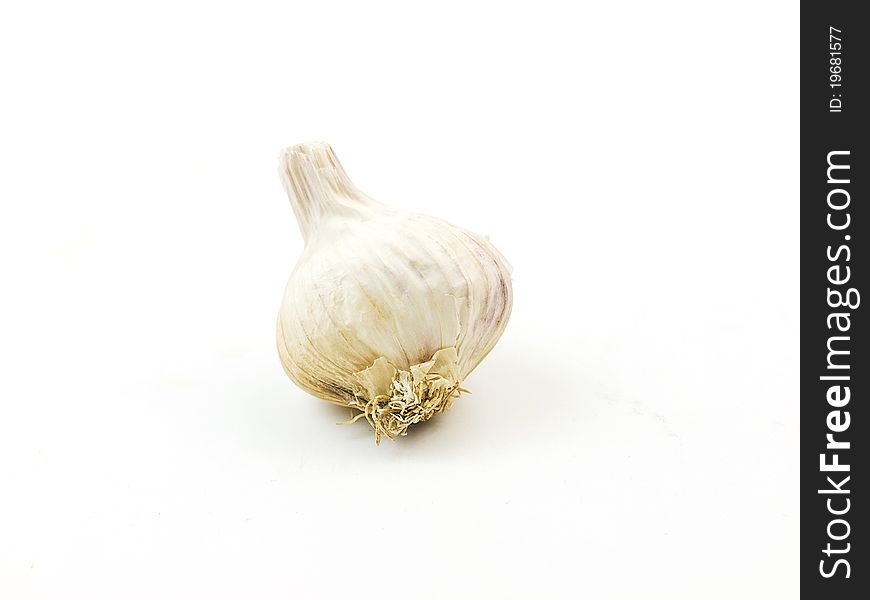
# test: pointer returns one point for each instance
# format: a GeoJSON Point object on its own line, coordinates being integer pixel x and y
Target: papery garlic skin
{"type": "Point", "coordinates": [386, 312]}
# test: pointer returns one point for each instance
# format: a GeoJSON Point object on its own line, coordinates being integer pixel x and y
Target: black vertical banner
{"type": "Point", "coordinates": [835, 370]}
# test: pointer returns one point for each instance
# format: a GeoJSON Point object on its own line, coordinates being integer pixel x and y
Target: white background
{"type": "Point", "coordinates": [634, 433]}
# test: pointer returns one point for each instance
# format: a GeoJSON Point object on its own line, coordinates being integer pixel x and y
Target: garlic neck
{"type": "Point", "coordinates": [319, 188]}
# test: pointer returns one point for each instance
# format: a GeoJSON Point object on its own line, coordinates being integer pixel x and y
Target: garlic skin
{"type": "Point", "coordinates": [386, 312]}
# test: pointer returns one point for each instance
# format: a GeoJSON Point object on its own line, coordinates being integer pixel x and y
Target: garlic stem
{"type": "Point", "coordinates": [318, 186]}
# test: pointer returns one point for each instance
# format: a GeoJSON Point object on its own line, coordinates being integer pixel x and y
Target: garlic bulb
{"type": "Point", "coordinates": [386, 312]}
